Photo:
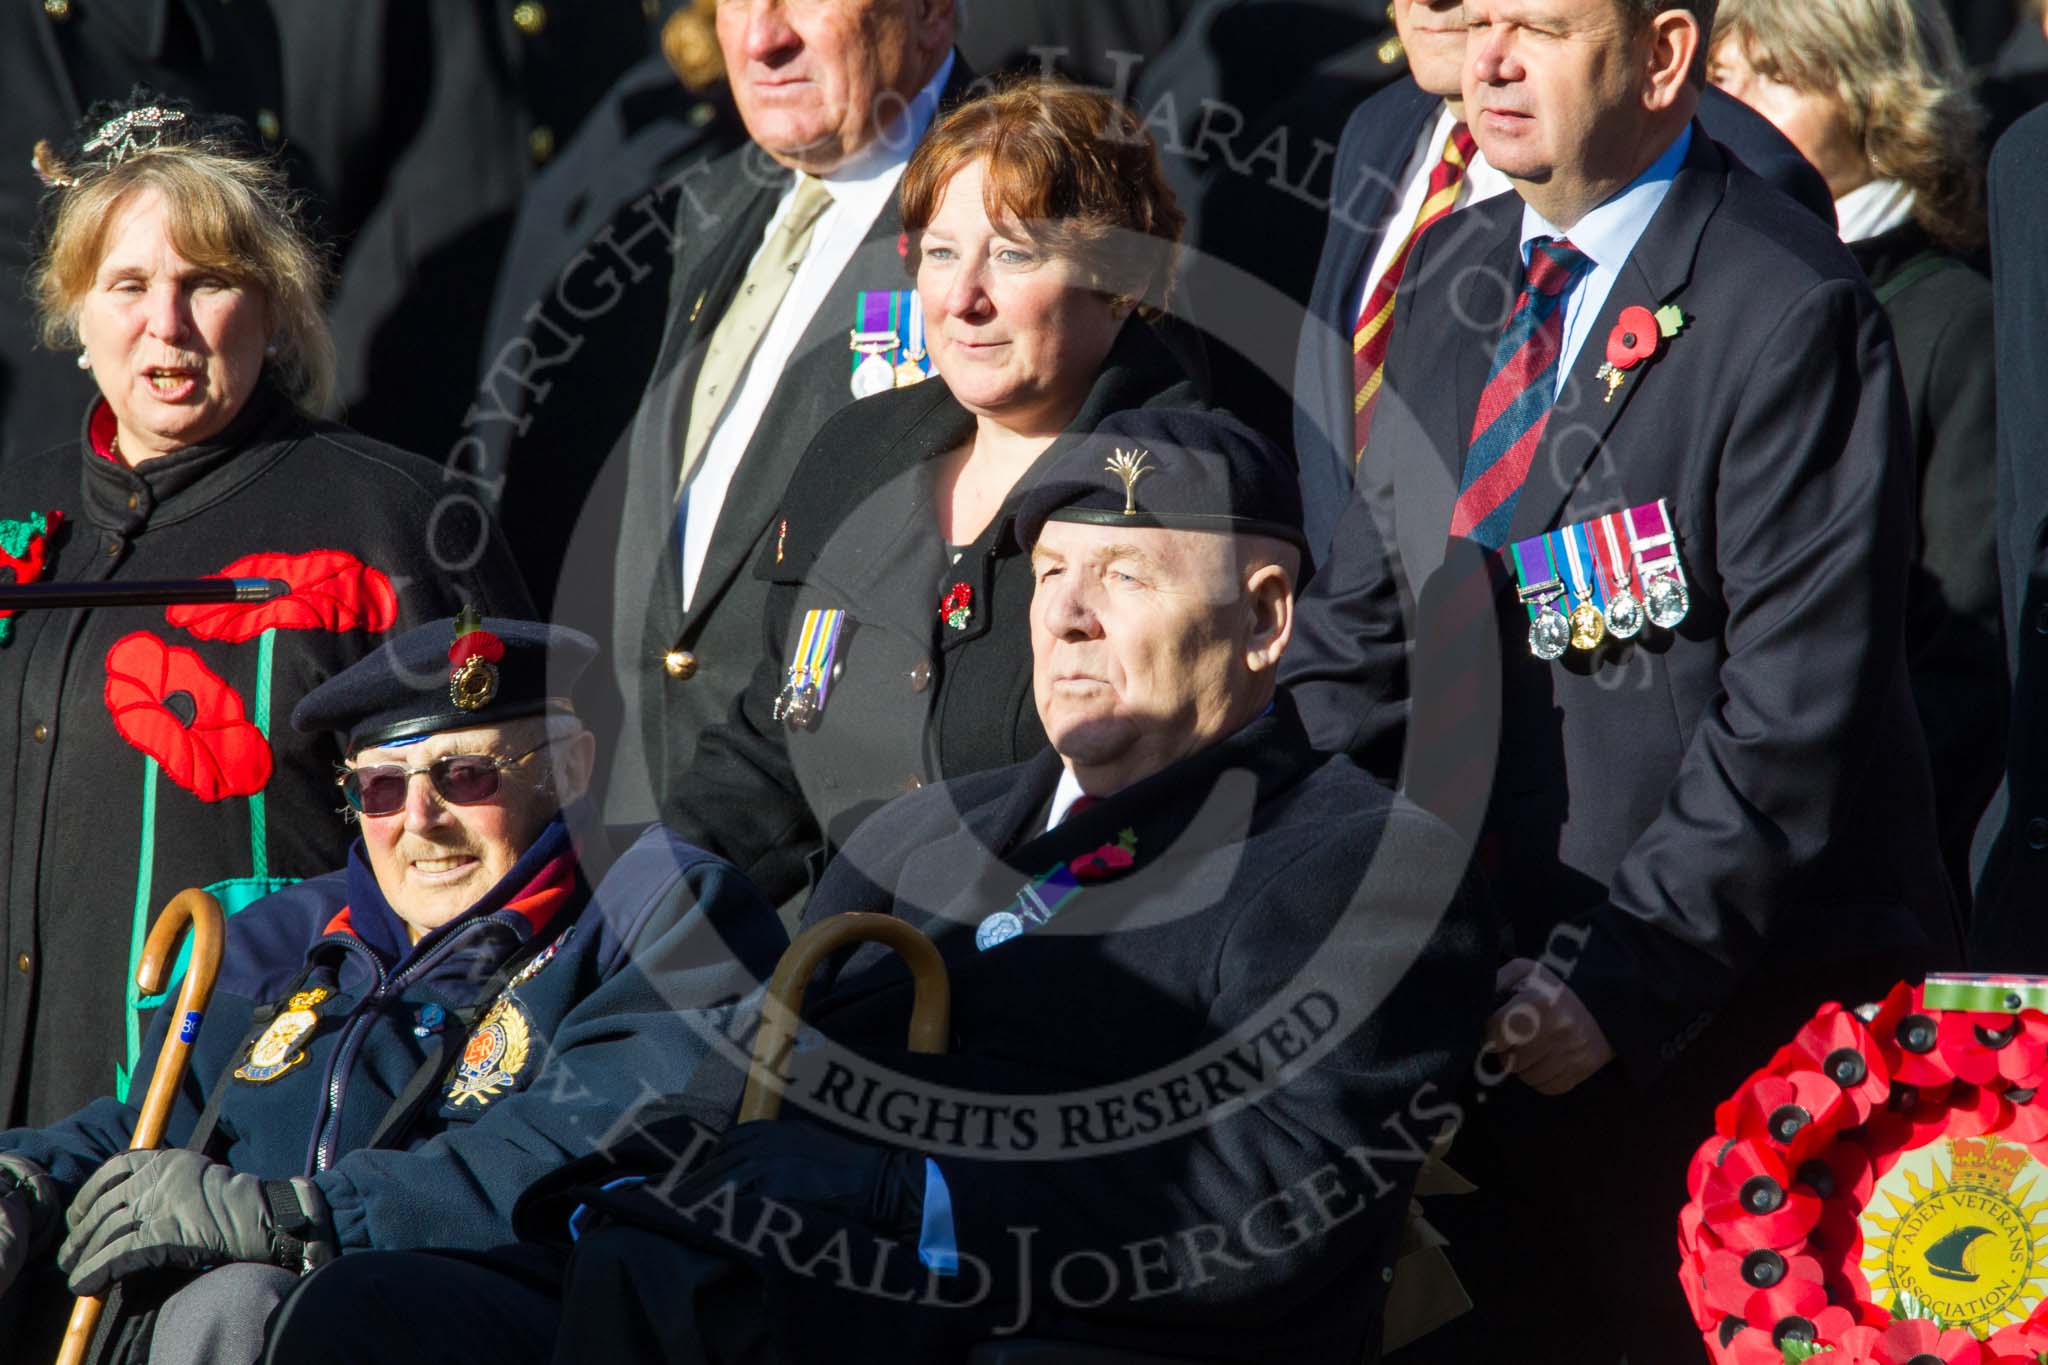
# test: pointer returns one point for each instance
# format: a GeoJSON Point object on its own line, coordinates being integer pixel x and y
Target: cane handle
{"type": "Point", "coordinates": [931, 1007]}
{"type": "Point", "coordinates": [209, 930]}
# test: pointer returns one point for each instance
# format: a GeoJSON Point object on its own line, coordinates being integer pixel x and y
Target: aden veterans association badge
{"type": "Point", "coordinates": [278, 1050]}
{"type": "Point", "coordinates": [495, 1056]}
{"type": "Point", "coordinates": [1967, 1238]}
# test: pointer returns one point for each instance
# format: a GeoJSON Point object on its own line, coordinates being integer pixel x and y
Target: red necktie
{"type": "Point", "coordinates": [1376, 323]}
{"type": "Point", "coordinates": [1515, 405]}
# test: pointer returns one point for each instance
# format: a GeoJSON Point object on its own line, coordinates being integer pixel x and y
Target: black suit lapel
{"type": "Point", "coordinates": [1658, 269]}
{"type": "Point", "coordinates": [816, 383]}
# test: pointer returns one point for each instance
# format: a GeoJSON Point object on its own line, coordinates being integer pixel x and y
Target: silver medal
{"type": "Point", "coordinates": [1624, 615]}
{"type": "Point", "coordinates": [1000, 927]}
{"type": "Point", "coordinates": [1667, 599]}
{"type": "Point", "coordinates": [872, 376]}
{"type": "Point", "coordinates": [1550, 634]}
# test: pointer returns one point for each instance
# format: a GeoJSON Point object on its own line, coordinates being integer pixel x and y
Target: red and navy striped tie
{"type": "Point", "coordinates": [1518, 397]}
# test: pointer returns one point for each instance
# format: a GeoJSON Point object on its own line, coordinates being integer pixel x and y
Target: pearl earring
{"type": "Point", "coordinates": [84, 361]}
{"type": "Point", "coordinates": [270, 349]}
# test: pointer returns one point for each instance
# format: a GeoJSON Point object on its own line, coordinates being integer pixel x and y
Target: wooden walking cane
{"type": "Point", "coordinates": [931, 1008]}
{"type": "Point", "coordinates": [209, 927]}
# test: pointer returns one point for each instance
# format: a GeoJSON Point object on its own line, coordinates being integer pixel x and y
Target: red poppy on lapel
{"type": "Point", "coordinates": [957, 607]}
{"type": "Point", "coordinates": [1634, 338]}
{"type": "Point", "coordinates": [24, 554]}
{"type": "Point", "coordinates": [217, 753]}
{"type": "Point", "coordinates": [1093, 867]}
{"type": "Point", "coordinates": [331, 590]}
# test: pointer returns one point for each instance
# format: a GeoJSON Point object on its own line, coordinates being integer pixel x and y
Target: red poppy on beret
{"type": "Point", "coordinates": [217, 753]}
{"type": "Point", "coordinates": [331, 590]}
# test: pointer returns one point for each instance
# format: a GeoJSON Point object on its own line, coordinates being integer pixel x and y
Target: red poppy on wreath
{"type": "Point", "coordinates": [1997, 1050]}
{"type": "Point", "coordinates": [331, 590]}
{"type": "Point", "coordinates": [472, 660]}
{"type": "Point", "coordinates": [1093, 867]}
{"type": "Point", "coordinates": [24, 554]}
{"type": "Point", "coordinates": [956, 608]}
{"type": "Point", "coordinates": [1836, 1044]}
{"type": "Point", "coordinates": [166, 702]}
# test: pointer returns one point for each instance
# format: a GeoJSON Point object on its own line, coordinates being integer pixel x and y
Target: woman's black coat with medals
{"type": "Point", "coordinates": [931, 678]}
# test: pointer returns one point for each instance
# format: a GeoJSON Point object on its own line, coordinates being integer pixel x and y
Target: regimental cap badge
{"type": "Point", "coordinates": [1130, 466]}
{"type": "Point", "coordinates": [138, 130]}
{"type": "Point", "coordinates": [472, 662]}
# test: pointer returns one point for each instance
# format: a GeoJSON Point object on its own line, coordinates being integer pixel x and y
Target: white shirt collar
{"type": "Point", "coordinates": [1063, 798]}
{"type": "Point", "coordinates": [1610, 232]}
{"type": "Point", "coordinates": [1873, 210]}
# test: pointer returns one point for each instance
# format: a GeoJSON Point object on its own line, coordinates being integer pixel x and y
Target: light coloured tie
{"type": "Point", "coordinates": [740, 331]}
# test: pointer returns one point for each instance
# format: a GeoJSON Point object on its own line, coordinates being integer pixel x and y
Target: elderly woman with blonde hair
{"type": "Point", "coordinates": [1875, 95]}
{"type": "Point", "coordinates": [144, 750]}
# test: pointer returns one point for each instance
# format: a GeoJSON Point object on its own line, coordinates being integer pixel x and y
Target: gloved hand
{"type": "Point", "coordinates": [175, 1208]}
{"type": "Point", "coordinates": [807, 1166]}
{"type": "Point", "coordinates": [29, 1203]}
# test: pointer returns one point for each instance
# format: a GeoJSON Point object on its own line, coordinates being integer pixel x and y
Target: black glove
{"type": "Point", "coordinates": [144, 1210]}
{"type": "Point", "coordinates": [29, 1203]}
{"type": "Point", "coordinates": [806, 1166]}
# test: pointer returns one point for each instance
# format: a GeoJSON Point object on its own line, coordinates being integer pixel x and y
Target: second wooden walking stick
{"type": "Point", "coordinates": [209, 928]}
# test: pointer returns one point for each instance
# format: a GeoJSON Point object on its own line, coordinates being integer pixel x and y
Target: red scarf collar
{"type": "Point", "coordinates": [537, 903]}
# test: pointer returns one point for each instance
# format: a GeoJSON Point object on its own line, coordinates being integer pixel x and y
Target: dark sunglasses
{"type": "Point", "coordinates": [461, 779]}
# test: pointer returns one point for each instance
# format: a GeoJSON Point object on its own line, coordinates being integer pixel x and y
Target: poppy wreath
{"type": "Point", "coordinates": [331, 590]}
{"type": "Point", "coordinates": [1878, 1194]}
{"type": "Point", "coordinates": [214, 752]}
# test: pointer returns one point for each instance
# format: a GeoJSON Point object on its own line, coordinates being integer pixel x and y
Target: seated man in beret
{"type": "Point", "coordinates": [1211, 995]}
{"type": "Point", "coordinates": [395, 1050]}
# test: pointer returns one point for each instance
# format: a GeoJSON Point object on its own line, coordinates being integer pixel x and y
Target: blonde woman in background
{"type": "Point", "coordinates": [1874, 93]}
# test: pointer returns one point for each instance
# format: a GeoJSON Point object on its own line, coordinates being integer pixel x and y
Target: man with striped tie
{"type": "Point", "coordinates": [1620, 594]}
{"type": "Point", "coordinates": [1407, 159]}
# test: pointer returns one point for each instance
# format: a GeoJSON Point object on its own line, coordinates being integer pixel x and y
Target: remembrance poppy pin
{"type": "Point", "coordinates": [1638, 336]}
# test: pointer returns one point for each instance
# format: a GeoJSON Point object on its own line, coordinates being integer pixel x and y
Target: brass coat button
{"type": "Point", "coordinates": [21, 963]}
{"type": "Point", "coordinates": [681, 664]}
{"type": "Point", "coordinates": [113, 549]}
{"type": "Point", "coordinates": [39, 732]}
{"type": "Point", "coordinates": [540, 143]}
{"type": "Point", "coordinates": [134, 501]}
{"type": "Point", "coordinates": [912, 782]}
{"type": "Point", "coordinates": [60, 10]}
{"type": "Point", "coordinates": [530, 17]}
{"type": "Point", "coordinates": [921, 676]}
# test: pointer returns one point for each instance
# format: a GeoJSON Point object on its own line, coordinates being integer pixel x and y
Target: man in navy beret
{"type": "Point", "coordinates": [395, 1050]}
{"type": "Point", "coordinates": [1211, 991]}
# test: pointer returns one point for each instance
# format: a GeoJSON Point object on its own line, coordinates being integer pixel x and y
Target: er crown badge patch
{"type": "Point", "coordinates": [496, 1054]}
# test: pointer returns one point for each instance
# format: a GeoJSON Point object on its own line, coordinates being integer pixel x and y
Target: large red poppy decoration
{"type": "Point", "coordinates": [166, 702]}
{"type": "Point", "coordinates": [331, 590]}
{"type": "Point", "coordinates": [1878, 1194]}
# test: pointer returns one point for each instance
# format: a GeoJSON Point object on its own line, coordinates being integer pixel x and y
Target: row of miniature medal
{"type": "Point", "coordinates": [1608, 576]}
{"type": "Point", "coordinates": [801, 702]}
{"type": "Point", "coordinates": [886, 323]}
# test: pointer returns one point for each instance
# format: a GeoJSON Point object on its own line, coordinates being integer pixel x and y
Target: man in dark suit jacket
{"type": "Point", "coordinates": [834, 96]}
{"type": "Point", "coordinates": [1703, 831]}
{"type": "Point", "coordinates": [1211, 990]}
{"type": "Point", "coordinates": [1378, 161]}
{"type": "Point", "coordinates": [2005, 930]}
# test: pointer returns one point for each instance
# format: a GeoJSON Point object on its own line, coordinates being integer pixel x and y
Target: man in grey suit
{"type": "Point", "coordinates": [776, 245]}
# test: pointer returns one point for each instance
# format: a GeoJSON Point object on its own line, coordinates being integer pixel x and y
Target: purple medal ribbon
{"type": "Point", "coordinates": [1534, 566]}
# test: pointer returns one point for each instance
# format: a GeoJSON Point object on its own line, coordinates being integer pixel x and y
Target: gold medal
{"type": "Point", "coordinates": [1588, 627]}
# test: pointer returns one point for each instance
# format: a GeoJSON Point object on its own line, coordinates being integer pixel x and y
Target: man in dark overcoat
{"type": "Point", "coordinates": [1212, 992]}
{"type": "Point", "coordinates": [1620, 591]}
